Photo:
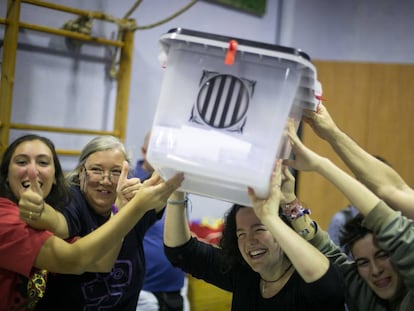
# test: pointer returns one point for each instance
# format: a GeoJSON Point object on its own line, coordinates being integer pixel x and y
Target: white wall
{"type": "Point", "coordinates": [355, 30]}
{"type": "Point", "coordinates": [54, 86]}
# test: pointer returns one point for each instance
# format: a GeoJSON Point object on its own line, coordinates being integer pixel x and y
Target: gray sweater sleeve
{"type": "Point", "coordinates": [395, 234]}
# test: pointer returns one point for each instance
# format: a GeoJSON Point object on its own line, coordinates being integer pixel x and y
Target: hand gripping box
{"type": "Point", "coordinates": [222, 111]}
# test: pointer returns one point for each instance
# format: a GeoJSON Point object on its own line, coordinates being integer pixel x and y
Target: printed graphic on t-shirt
{"type": "Point", "coordinates": [106, 289]}
{"type": "Point", "coordinates": [29, 291]}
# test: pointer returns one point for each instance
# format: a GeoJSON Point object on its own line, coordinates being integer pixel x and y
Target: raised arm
{"type": "Point", "coordinates": [45, 217]}
{"type": "Point", "coordinates": [379, 177]}
{"type": "Point", "coordinates": [176, 229]}
{"type": "Point", "coordinates": [307, 160]}
{"type": "Point", "coordinates": [59, 256]}
{"type": "Point", "coordinates": [307, 260]}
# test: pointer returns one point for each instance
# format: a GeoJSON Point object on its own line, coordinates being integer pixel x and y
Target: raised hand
{"type": "Point", "coordinates": [288, 186]}
{"type": "Point", "coordinates": [269, 207]}
{"type": "Point", "coordinates": [320, 121]}
{"type": "Point", "coordinates": [126, 187]}
{"type": "Point", "coordinates": [305, 159]}
{"type": "Point", "coordinates": [154, 192]}
{"type": "Point", "coordinates": [31, 203]}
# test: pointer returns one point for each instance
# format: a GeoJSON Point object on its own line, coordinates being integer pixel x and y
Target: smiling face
{"type": "Point", "coordinates": [376, 269]}
{"type": "Point", "coordinates": [256, 244]}
{"type": "Point", "coordinates": [32, 155]}
{"type": "Point", "coordinates": [100, 190]}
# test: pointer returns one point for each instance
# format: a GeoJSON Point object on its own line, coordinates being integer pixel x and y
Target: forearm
{"type": "Point", "coordinates": [373, 173]}
{"type": "Point", "coordinates": [59, 256]}
{"type": "Point", "coordinates": [360, 196]}
{"type": "Point", "coordinates": [53, 221]}
{"type": "Point", "coordinates": [378, 176]}
{"type": "Point", "coordinates": [106, 263]}
{"type": "Point", "coordinates": [102, 240]}
{"type": "Point", "coordinates": [176, 230]}
{"type": "Point", "coordinates": [310, 263]}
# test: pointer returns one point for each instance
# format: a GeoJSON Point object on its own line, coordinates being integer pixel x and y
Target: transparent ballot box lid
{"type": "Point", "coordinates": [222, 111]}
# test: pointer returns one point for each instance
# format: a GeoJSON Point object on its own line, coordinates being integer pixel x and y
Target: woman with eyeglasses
{"type": "Point", "coordinates": [31, 182]}
{"type": "Point", "coordinates": [99, 188]}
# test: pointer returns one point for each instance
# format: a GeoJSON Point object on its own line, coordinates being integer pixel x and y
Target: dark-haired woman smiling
{"type": "Point", "coordinates": [261, 260]}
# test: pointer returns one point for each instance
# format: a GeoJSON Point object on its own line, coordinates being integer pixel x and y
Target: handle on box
{"type": "Point", "coordinates": [231, 52]}
{"type": "Point", "coordinates": [318, 91]}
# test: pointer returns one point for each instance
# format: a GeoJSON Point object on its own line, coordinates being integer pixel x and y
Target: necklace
{"type": "Point", "coordinates": [264, 282]}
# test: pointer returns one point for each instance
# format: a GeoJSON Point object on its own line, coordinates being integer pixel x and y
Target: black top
{"type": "Point", "coordinates": [117, 290]}
{"type": "Point", "coordinates": [204, 261]}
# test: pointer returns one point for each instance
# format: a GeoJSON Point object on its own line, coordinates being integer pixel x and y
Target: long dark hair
{"type": "Point", "coordinates": [59, 194]}
{"type": "Point", "coordinates": [228, 241]}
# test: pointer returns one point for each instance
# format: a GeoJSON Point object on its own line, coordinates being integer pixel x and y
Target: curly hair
{"type": "Point", "coordinates": [228, 242]}
{"type": "Point", "coordinates": [59, 194]}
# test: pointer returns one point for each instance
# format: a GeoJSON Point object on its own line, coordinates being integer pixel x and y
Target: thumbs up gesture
{"type": "Point", "coordinates": [31, 203]}
{"type": "Point", "coordinates": [127, 187]}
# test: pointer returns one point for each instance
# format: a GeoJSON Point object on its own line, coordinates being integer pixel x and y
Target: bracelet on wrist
{"type": "Point", "coordinates": [294, 210]}
{"type": "Point", "coordinates": [179, 202]}
{"type": "Point", "coordinates": [114, 209]}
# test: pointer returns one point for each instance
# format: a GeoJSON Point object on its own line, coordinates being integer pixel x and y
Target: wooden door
{"type": "Point", "coordinates": [373, 104]}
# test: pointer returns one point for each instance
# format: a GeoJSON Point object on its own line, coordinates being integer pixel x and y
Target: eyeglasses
{"type": "Point", "coordinates": [97, 174]}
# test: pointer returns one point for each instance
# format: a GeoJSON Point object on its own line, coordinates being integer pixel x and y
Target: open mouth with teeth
{"type": "Point", "coordinates": [257, 253]}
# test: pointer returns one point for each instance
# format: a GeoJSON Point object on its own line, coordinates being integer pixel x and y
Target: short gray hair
{"type": "Point", "coordinates": [99, 143]}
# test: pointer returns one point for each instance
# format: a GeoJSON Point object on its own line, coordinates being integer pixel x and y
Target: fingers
{"type": "Point", "coordinates": [321, 108]}
{"type": "Point", "coordinates": [130, 184]}
{"type": "Point", "coordinates": [252, 196]}
{"type": "Point", "coordinates": [34, 185]}
{"type": "Point", "coordinates": [256, 202]}
{"type": "Point", "coordinates": [32, 215]}
{"type": "Point", "coordinates": [175, 181]}
{"type": "Point", "coordinates": [123, 177]}
{"type": "Point", "coordinates": [153, 180]}
{"type": "Point", "coordinates": [294, 139]}
{"type": "Point", "coordinates": [31, 206]}
{"type": "Point", "coordinates": [31, 203]}
{"type": "Point", "coordinates": [124, 171]}
{"type": "Point", "coordinates": [127, 188]}
{"type": "Point", "coordinates": [276, 181]}
{"type": "Point", "coordinates": [164, 188]}
{"type": "Point", "coordinates": [287, 175]}
{"type": "Point", "coordinates": [277, 174]}
{"type": "Point", "coordinates": [168, 187]}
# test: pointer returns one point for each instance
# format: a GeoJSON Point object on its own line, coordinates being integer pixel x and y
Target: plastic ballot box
{"type": "Point", "coordinates": [223, 109]}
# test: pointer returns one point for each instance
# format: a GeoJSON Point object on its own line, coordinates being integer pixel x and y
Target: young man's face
{"type": "Point", "coordinates": [376, 268]}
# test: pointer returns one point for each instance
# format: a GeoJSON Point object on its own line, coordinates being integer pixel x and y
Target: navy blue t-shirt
{"type": "Point", "coordinates": [117, 290]}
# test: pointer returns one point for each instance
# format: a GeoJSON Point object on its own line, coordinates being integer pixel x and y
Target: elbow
{"type": "Point", "coordinates": [312, 275]}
